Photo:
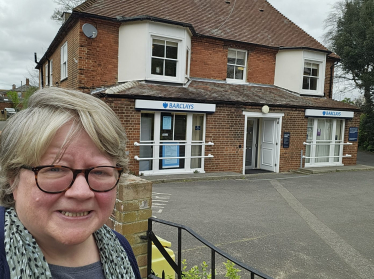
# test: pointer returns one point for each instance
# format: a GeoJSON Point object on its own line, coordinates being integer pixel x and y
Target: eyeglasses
{"type": "Point", "coordinates": [54, 179]}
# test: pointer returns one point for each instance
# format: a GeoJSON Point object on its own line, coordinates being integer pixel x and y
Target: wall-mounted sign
{"type": "Point", "coordinates": [328, 113]}
{"type": "Point", "coordinates": [286, 139]}
{"type": "Point", "coordinates": [174, 106]}
{"type": "Point", "coordinates": [353, 134]}
{"type": "Point", "coordinates": [197, 128]}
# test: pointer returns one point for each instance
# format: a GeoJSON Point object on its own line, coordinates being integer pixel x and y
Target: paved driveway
{"type": "Point", "coordinates": [291, 226]}
{"type": "Point", "coordinates": [365, 158]}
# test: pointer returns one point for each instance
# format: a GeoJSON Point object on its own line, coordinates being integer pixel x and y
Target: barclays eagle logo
{"type": "Point", "coordinates": [324, 113]}
{"type": "Point", "coordinates": [165, 105]}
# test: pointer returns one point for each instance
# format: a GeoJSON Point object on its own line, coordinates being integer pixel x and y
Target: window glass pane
{"type": "Point", "coordinates": [171, 68]}
{"type": "Point", "coordinates": [180, 127]}
{"type": "Point", "coordinates": [166, 128]}
{"type": "Point", "coordinates": [158, 48]}
{"type": "Point", "coordinates": [230, 71]}
{"type": "Point", "coordinates": [196, 150]}
{"type": "Point", "coordinates": [170, 150]}
{"type": "Point", "coordinates": [239, 72]}
{"type": "Point", "coordinates": [231, 58]}
{"type": "Point", "coordinates": [145, 152]}
{"type": "Point", "coordinates": [307, 70]}
{"type": "Point", "coordinates": [324, 136]}
{"type": "Point", "coordinates": [338, 139]}
{"type": "Point", "coordinates": [240, 58]}
{"type": "Point", "coordinates": [171, 50]}
{"type": "Point", "coordinates": [313, 84]}
{"type": "Point", "coordinates": [315, 70]}
{"type": "Point", "coordinates": [305, 83]}
{"type": "Point", "coordinates": [157, 67]}
{"type": "Point", "coordinates": [197, 127]}
{"type": "Point", "coordinates": [146, 126]}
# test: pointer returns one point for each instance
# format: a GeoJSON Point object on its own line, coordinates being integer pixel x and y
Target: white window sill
{"type": "Point", "coordinates": [236, 81]}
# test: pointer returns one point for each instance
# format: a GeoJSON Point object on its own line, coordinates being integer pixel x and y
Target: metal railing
{"type": "Point", "coordinates": [303, 157]}
{"type": "Point", "coordinates": [177, 267]}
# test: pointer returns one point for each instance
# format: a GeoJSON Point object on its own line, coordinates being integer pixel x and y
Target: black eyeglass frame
{"type": "Point", "coordinates": [75, 174]}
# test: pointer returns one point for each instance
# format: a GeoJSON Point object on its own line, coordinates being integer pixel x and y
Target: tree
{"type": "Point", "coordinates": [27, 95]}
{"type": "Point", "coordinates": [64, 6]}
{"type": "Point", "coordinates": [351, 36]}
{"type": "Point", "coordinates": [13, 97]}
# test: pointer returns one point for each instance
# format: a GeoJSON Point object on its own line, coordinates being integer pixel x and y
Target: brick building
{"type": "Point", "coordinates": [206, 86]}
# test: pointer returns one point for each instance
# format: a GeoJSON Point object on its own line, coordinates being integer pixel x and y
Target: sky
{"type": "Point", "coordinates": [26, 27]}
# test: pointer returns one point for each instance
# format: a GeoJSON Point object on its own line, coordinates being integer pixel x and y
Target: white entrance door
{"type": "Point", "coordinates": [268, 144]}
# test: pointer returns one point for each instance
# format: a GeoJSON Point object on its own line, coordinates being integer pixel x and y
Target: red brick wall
{"type": "Point", "coordinates": [98, 57]}
{"type": "Point", "coordinates": [329, 64]}
{"type": "Point", "coordinates": [294, 122]}
{"type": "Point", "coordinates": [130, 119]}
{"type": "Point", "coordinates": [225, 128]}
{"type": "Point", "coordinates": [351, 149]}
{"type": "Point", "coordinates": [209, 60]}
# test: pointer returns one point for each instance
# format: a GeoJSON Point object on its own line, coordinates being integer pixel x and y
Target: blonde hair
{"type": "Point", "coordinates": [29, 132]}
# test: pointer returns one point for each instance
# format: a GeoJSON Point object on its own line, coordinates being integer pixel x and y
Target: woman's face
{"type": "Point", "coordinates": [71, 217]}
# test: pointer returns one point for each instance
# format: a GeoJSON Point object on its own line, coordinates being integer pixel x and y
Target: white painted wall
{"type": "Point", "coordinates": [135, 50]}
{"type": "Point", "coordinates": [132, 51]}
{"type": "Point", "coordinates": [289, 69]}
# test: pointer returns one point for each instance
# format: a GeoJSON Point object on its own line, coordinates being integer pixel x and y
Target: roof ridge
{"type": "Point", "coordinates": [86, 4]}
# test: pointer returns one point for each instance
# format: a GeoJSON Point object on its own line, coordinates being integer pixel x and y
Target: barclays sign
{"type": "Point", "coordinates": [174, 106]}
{"type": "Point", "coordinates": [329, 113]}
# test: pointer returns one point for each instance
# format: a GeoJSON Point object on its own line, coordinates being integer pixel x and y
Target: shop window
{"type": "Point", "coordinates": [146, 137]}
{"type": "Point", "coordinates": [164, 58]}
{"type": "Point", "coordinates": [310, 76]}
{"type": "Point", "coordinates": [64, 61]}
{"type": "Point", "coordinates": [51, 73]}
{"type": "Point", "coordinates": [324, 141]}
{"type": "Point", "coordinates": [46, 74]}
{"type": "Point", "coordinates": [197, 140]}
{"type": "Point", "coordinates": [236, 65]}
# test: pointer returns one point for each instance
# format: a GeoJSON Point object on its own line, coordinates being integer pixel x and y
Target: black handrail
{"type": "Point", "coordinates": [177, 267]}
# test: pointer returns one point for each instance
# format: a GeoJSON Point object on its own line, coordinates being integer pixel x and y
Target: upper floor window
{"type": "Point", "coordinates": [310, 76]}
{"type": "Point", "coordinates": [64, 61]}
{"type": "Point", "coordinates": [236, 65]}
{"type": "Point", "coordinates": [164, 58]}
{"type": "Point", "coordinates": [46, 74]}
{"type": "Point", "coordinates": [51, 73]}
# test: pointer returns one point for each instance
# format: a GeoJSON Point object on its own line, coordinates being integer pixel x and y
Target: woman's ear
{"type": "Point", "coordinates": [11, 183]}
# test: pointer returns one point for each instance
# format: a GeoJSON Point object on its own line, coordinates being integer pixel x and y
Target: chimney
{"type": "Point", "coordinates": [27, 82]}
{"type": "Point", "coordinates": [13, 87]}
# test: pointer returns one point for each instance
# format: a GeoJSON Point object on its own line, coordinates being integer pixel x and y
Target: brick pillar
{"type": "Point", "coordinates": [130, 216]}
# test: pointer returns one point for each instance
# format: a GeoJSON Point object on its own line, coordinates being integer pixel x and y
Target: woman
{"type": "Point", "coordinates": [60, 160]}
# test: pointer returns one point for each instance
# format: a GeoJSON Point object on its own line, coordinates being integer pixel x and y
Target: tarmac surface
{"type": "Point", "coordinates": [287, 225]}
{"type": "Point", "coordinates": [314, 223]}
{"type": "Point", "coordinates": [365, 161]}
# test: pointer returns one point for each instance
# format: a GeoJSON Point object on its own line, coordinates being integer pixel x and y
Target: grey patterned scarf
{"type": "Point", "coordinates": [26, 260]}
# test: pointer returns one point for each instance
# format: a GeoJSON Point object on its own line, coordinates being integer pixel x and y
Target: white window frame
{"type": "Point", "coordinates": [320, 78]}
{"type": "Point", "coordinates": [64, 61]}
{"type": "Point", "coordinates": [311, 76]}
{"type": "Point", "coordinates": [46, 74]}
{"type": "Point", "coordinates": [157, 143]}
{"type": "Point", "coordinates": [332, 143]}
{"type": "Point", "coordinates": [230, 80]}
{"type": "Point", "coordinates": [163, 77]}
{"type": "Point", "coordinates": [50, 73]}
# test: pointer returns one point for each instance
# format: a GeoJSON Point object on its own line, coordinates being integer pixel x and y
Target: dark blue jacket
{"type": "Point", "coordinates": [4, 267]}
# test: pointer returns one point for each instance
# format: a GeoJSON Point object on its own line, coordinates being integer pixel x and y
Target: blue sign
{"type": "Point", "coordinates": [197, 128]}
{"type": "Point", "coordinates": [353, 134]}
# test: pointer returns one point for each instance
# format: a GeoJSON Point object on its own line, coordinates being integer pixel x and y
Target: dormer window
{"type": "Point", "coordinates": [310, 77]}
{"type": "Point", "coordinates": [236, 65]}
{"type": "Point", "coordinates": [164, 58]}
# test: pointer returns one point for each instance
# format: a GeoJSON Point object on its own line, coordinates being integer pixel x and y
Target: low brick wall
{"type": "Point", "coordinates": [130, 216]}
